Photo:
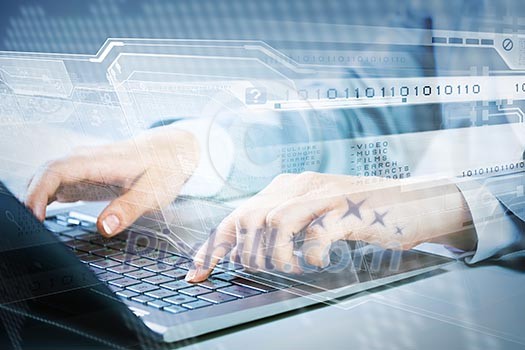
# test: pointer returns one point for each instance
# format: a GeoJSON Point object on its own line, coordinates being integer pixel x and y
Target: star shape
{"type": "Point", "coordinates": [318, 221]}
{"type": "Point", "coordinates": [399, 231]}
{"type": "Point", "coordinates": [379, 218]}
{"type": "Point", "coordinates": [353, 209]}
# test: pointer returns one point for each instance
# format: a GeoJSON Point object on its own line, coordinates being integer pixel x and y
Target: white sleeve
{"type": "Point", "coordinates": [495, 229]}
{"type": "Point", "coordinates": [216, 157]}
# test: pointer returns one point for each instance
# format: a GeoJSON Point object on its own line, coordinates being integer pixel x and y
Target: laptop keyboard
{"type": "Point", "coordinates": [154, 278]}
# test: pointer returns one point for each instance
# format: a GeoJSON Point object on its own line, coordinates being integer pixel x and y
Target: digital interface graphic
{"type": "Point", "coordinates": [269, 138]}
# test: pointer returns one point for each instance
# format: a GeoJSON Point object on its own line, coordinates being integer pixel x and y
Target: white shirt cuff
{"type": "Point", "coordinates": [216, 157]}
{"type": "Point", "coordinates": [494, 228]}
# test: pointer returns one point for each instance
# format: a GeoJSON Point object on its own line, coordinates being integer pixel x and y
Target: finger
{"type": "Point", "coordinates": [42, 189]}
{"type": "Point", "coordinates": [253, 253]}
{"type": "Point", "coordinates": [28, 183]}
{"type": "Point", "coordinates": [250, 233]}
{"type": "Point", "coordinates": [149, 192]}
{"type": "Point", "coordinates": [250, 228]}
{"type": "Point", "coordinates": [234, 256]}
{"type": "Point", "coordinates": [226, 235]}
{"type": "Point", "coordinates": [318, 239]}
{"type": "Point", "coordinates": [49, 179]}
{"type": "Point", "coordinates": [213, 250]}
{"type": "Point", "coordinates": [286, 221]}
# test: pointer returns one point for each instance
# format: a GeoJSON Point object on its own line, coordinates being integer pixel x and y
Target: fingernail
{"type": "Point", "coordinates": [110, 224]}
{"type": "Point", "coordinates": [197, 275]}
{"type": "Point", "coordinates": [38, 212]}
{"type": "Point", "coordinates": [190, 275]}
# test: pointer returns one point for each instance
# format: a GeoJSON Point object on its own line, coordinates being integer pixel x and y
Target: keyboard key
{"type": "Point", "coordinates": [186, 265]}
{"type": "Point", "coordinates": [174, 260]}
{"type": "Point", "coordinates": [87, 237]}
{"type": "Point", "coordinates": [56, 228]}
{"type": "Point", "coordinates": [225, 276]}
{"type": "Point", "coordinates": [142, 299]}
{"type": "Point", "coordinates": [104, 264]}
{"type": "Point", "coordinates": [141, 262]}
{"type": "Point", "coordinates": [124, 282]}
{"type": "Point", "coordinates": [174, 309]}
{"type": "Point", "coordinates": [194, 291]}
{"type": "Point", "coordinates": [96, 270]}
{"type": "Point", "coordinates": [98, 239]}
{"type": "Point", "coordinates": [142, 287]}
{"type": "Point", "coordinates": [124, 257]}
{"type": "Point", "coordinates": [159, 279]}
{"type": "Point", "coordinates": [122, 269]}
{"type": "Point", "coordinates": [159, 304]}
{"type": "Point", "coordinates": [73, 221]}
{"type": "Point", "coordinates": [175, 273]}
{"type": "Point", "coordinates": [159, 267]}
{"type": "Point", "coordinates": [119, 245]}
{"type": "Point", "coordinates": [114, 289]}
{"type": "Point", "coordinates": [89, 258]}
{"type": "Point", "coordinates": [87, 247]}
{"type": "Point", "coordinates": [281, 281]}
{"type": "Point", "coordinates": [139, 274]}
{"type": "Point", "coordinates": [156, 255]}
{"type": "Point", "coordinates": [59, 216]}
{"type": "Point", "coordinates": [216, 271]}
{"type": "Point", "coordinates": [81, 216]}
{"type": "Point", "coordinates": [71, 243]}
{"type": "Point", "coordinates": [161, 293]}
{"type": "Point", "coordinates": [88, 226]}
{"type": "Point", "coordinates": [139, 241]}
{"type": "Point", "coordinates": [239, 291]}
{"type": "Point", "coordinates": [253, 285]}
{"type": "Point", "coordinates": [105, 252]}
{"type": "Point", "coordinates": [61, 222]}
{"type": "Point", "coordinates": [123, 236]}
{"type": "Point", "coordinates": [68, 241]}
{"type": "Point", "coordinates": [66, 223]}
{"type": "Point", "coordinates": [62, 238]}
{"type": "Point", "coordinates": [217, 297]}
{"type": "Point", "coordinates": [74, 232]}
{"type": "Point", "coordinates": [180, 299]}
{"type": "Point", "coordinates": [127, 293]}
{"type": "Point", "coordinates": [212, 283]}
{"type": "Point", "coordinates": [230, 265]}
{"type": "Point", "coordinates": [197, 304]}
{"type": "Point", "coordinates": [108, 276]}
{"type": "Point", "coordinates": [177, 285]}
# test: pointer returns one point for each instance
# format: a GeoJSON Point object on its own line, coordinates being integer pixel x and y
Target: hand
{"type": "Point", "coordinates": [140, 175]}
{"type": "Point", "coordinates": [394, 214]}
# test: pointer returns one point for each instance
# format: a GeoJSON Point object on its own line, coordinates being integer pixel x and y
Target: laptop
{"type": "Point", "coordinates": [65, 273]}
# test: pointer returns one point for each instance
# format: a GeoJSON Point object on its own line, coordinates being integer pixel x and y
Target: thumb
{"type": "Point", "coordinates": [146, 194]}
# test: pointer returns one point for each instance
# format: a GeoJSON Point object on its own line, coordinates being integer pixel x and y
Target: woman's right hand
{"type": "Point", "coordinates": [139, 175]}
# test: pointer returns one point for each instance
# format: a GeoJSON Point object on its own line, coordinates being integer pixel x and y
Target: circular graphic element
{"type": "Point", "coordinates": [507, 44]}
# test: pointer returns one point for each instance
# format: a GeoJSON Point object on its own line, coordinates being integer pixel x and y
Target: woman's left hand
{"type": "Point", "coordinates": [394, 214]}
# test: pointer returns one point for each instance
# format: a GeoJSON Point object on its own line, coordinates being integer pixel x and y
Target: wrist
{"type": "Point", "coordinates": [215, 156]}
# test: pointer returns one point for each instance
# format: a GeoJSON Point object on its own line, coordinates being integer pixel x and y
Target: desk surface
{"type": "Point", "coordinates": [458, 307]}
